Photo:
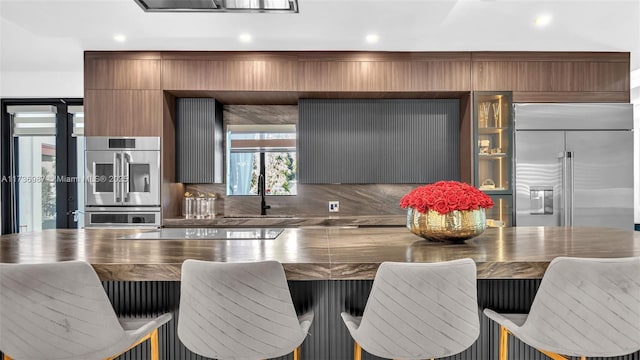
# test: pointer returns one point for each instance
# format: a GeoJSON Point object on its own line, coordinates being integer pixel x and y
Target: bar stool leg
{"type": "Point", "coordinates": [357, 351]}
{"type": "Point", "coordinates": [296, 353]}
{"type": "Point", "coordinates": [553, 355]}
{"type": "Point", "coordinates": [155, 354]}
{"type": "Point", "coordinates": [6, 357]}
{"type": "Point", "coordinates": [504, 343]}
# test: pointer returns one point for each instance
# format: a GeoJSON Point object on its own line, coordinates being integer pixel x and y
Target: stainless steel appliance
{"type": "Point", "coordinates": [123, 181]}
{"type": "Point", "coordinates": [574, 165]}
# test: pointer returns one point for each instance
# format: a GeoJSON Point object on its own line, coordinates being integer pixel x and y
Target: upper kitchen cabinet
{"type": "Point", "coordinates": [371, 72]}
{"type": "Point", "coordinates": [554, 77]}
{"type": "Point", "coordinates": [122, 70]}
{"type": "Point", "coordinates": [123, 112]}
{"type": "Point", "coordinates": [229, 71]}
{"type": "Point", "coordinates": [199, 141]}
{"type": "Point", "coordinates": [122, 94]}
{"type": "Point", "coordinates": [378, 141]}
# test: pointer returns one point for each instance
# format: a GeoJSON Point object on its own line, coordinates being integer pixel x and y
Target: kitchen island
{"type": "Point", "coordinates": [330, 270]}
{"type": "Point", "coordinates": [319, 253]}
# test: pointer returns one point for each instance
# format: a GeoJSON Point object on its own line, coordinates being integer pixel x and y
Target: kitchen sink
{"type": "Point", "coordinates": [207, 234]}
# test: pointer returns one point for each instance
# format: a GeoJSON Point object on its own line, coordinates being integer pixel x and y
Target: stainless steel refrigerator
{"type": "Point", "coordinates": [574, 165]}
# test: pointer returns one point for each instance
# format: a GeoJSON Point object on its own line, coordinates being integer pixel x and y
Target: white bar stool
{"type": "Point", "coordinates": [61, 311]}
{"type": "Point", "coordinates": [584, 307]}
{"type": "Point", "coordinates": [239, 311]}
{"type": "Point", "coordinates": [418, 311]}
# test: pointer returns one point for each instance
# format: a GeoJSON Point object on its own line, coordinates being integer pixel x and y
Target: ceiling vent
{"type": "Point", "coordinates": [266, 6]}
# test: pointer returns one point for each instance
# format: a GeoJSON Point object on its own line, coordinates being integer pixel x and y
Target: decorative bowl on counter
{"type": "Point", "coordinates": [455, 226]}
{"type": "Point", "coordinates": [446, 211]}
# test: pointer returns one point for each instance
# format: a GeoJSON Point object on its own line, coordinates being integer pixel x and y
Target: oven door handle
{"type": "Point", "coordinates": [116, 174]}
{"type": "Point", "coordinates": [125, 179]}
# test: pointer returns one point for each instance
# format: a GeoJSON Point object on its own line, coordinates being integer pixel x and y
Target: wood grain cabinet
{"type": "Point", "coordinates": [122, 94]}
{"type": "Point", "coordinates": [554, 77]}
{"type": "Point", "coordinates": [123, 90]}
{"type": "Point", "coordinates": [123, 112]}
{"type": "Point", "coordinates": [385, 73]}
{"type": "Point", "coordinates": [494, 75]}
{"type": "Point", "coordinates": [232, 75]}
{"type": "Point", "coordinates": [122, 74]}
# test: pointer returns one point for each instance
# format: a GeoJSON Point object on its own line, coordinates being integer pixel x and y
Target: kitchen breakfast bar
{"type": "Point", "coordinates": [330, 269]}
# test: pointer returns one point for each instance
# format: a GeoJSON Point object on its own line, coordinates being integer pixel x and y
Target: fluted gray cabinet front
{"type": "Point", "coordinates": [378, 141]}
{"type": "Point", "coordinates": [199, 141]}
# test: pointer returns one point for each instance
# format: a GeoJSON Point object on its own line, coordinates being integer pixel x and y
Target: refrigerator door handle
{"type": "Point", "coordinates": [569, 188]}
{"type": "Point", "coordinates": [564, 217]}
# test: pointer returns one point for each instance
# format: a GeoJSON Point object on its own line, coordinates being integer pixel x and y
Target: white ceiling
{"type": "Point", "coordinates": [51, 35]}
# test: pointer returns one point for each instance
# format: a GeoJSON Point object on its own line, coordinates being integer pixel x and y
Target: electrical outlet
{"type": "Point", "coordinates": [334, 206]}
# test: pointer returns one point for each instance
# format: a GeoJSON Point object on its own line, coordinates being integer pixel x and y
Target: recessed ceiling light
{"type": "Point", "coordinates": [542, 20]}
{"type": "Point", "coordinates": [119, 38]}
{"type": "Point", "coordinates": [245, 38]}
{"type": "Point", "coordinates": [372, 38]}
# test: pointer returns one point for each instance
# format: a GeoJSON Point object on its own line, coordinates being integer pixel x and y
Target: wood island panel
{"type": "Point", "coordinates": [320, 253]}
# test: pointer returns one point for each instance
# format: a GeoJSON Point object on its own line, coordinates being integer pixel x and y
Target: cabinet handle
{"type": "Point", "coordinates": [116, 188]}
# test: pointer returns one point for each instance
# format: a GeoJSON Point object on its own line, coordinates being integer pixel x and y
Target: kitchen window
{"type": "Point", "coordinates": [267, 150]}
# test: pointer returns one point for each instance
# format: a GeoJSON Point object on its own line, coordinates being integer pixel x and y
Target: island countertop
{"type": "Point", "coordinates": [320, 253]}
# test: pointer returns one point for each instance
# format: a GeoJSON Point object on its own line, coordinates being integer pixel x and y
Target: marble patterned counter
{"type": "Point", "coordinates": [320, 253]}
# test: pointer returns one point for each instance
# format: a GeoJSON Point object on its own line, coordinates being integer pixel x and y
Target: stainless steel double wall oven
{"type": "Point", "coordinates": [122, 181]}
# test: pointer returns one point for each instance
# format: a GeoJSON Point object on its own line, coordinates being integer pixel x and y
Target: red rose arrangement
{"type": "Point", "coordinates": [445, 197]}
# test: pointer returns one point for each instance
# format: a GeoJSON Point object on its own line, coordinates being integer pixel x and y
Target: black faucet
{"type": "Point", "coordinates": [261, 191]}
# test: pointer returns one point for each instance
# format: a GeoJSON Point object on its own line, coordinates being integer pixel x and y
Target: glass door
{"type": "Point", "coordinates": [34, 168]}
{"type": "Point", "coordinates": [493, 153]}
{"type": "Point", "coordinates": [36, 176]}
{"type": "Point", "coordinates": [77, 144]}
{"type": "Point", "coordinates": [37, 179]}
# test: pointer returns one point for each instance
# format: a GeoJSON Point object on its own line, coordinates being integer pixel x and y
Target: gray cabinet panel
{"type": "Point", "coordinates": [199, 149]}
{"type": "Point", "coordinates": [386, 141]}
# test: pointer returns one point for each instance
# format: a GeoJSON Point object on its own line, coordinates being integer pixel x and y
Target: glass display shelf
{"type": "Point", "coordinates": [492, 156]}
{"type": "Point", "coordinates": [493, 159]}
{"type": "Point", "coordinates": [492, 130]}
{"type": "Point", "coordinates": [501, 214]}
